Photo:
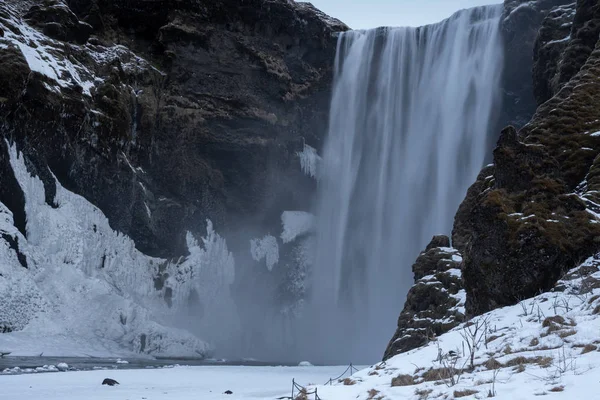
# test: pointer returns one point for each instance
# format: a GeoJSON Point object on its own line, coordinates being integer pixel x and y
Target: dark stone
{"type": "Point", "coordinates": [57, 21]}
{"type": "Point", "coordinates": [431, 307]}
{"type": "Point", "coordinates": [521, 22]}
{"type": "Point", "coordinates": [110, 382]}
{"type": "Point", "coordinates": [228, 392]}
{"type": "Point", "coordinates": [11, 194]}
{"type": "Point", "coordinates": [438, 241]}
{"type": "Point", "coordinates": [553, 38]}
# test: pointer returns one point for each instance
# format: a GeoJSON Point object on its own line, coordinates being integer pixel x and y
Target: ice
{"type": "Point", "coordinates": [309, 161]}
{"type": "Point", "coordinates": [87, 289]}
{"type": "Point", "coordinates": [295, 224]}
{"type": "Point", "coordinates": [266, 248]}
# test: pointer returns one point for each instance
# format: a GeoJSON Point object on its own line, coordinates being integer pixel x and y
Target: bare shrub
{"type": "Point", "coordinates": [565, 334]}
{"type": "Point", "coordinates": [588, 348]}
{"type": "Point", "coordinates": [423, 393]}
{"type": "Point", "coordinates": [373, 395]}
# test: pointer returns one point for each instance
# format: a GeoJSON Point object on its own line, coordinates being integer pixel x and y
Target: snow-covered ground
{"type": "Point", "coordinates": [179, 383]}
{"type": "Point", "coordinates": [548, 345]}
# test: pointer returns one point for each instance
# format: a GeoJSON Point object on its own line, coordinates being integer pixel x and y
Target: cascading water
{"type": "Point", "coordinates": [411, 113]}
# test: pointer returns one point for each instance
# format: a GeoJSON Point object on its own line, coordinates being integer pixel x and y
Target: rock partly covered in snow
{"type": "Point", "coordinates": [167, 113]}
{"type": "Point", "coordinates": [435, 303]}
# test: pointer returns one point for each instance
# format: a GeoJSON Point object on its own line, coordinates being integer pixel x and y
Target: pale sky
{"type": "Point", "coordinates": [363, 14]}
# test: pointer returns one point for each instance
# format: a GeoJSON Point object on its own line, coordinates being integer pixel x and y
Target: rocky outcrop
{"type": "Point", "coordinates": [566, 40]}
{"type": "Point", "coordinates": [165, 114]}
{"type": "Point", "coordinates": [533, 215]}
{"type": "Point", "coordinates": [552, 40]}
{"type": "Point", "coordinates": [521, 22]}
{"type": "Point", "coordinates": [435, 303]}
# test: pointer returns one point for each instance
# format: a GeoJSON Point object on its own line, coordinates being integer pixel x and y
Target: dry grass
{"type": "Point", "coordinates": [519, 362]}
{"type": "Point", "coordinates": [557, 389]}
{"type": "Point", "coordinates": [423, 393]}
{"type": "Point", "coordinates": [565, 334]}
{"type": "Point", "coordinates": [464, 393]}
{"type": "Point", "coordinates": [588, 348]}
{"type": "Point", "coordinates": [508, 350]}
{"type": "Point", "coordinates": [492, 338]}
{"type": "Point", "coordinates": [544, 362]}
{"type": "Point", "coordinates": [403, 380]}
{"type": "Point", "coordinates": [302, 395]}
{"type": "Point", "coordinates": [534, 342]}
{"type": "Point", "coordinates": [348, 382]}
{"type": "Point", "coordinates": [492, 363]}
{"type": "Point", "coordinates": [519, 368]}
{"type": "Point", "coordinates": [439, 374]}
{"type": "Point", "coordinates": [373, 395]}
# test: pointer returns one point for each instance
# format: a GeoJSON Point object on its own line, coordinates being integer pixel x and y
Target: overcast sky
{"type": "Point", "coordinates": [362, 14]}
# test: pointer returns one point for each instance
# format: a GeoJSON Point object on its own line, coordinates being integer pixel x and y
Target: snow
{"type": "Point", "coordinates": [309, 161]}
{"type": "Point", "coordinates": [62, 367]}
{"type": "Point", "coordinates": [41, 54]}
{"type": "Point", "coordinates": [88, 291]}
{"type": "Point", "coordinates": [295, 224]}
{"type": "Point", "coordinates": [565, 39]}
{"type": "Point", "coordinates": [266, 248]}
{"type": "Point", "coordinates": [537, 358]}
{"type": "Point", "coordinates": [178, 383]}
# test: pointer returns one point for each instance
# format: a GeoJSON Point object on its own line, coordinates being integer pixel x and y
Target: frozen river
{"type": "Point", "coordinates": [177, 383]}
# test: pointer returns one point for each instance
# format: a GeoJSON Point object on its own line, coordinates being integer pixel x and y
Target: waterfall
{"type": "Point", "coordinates": [411, 114]}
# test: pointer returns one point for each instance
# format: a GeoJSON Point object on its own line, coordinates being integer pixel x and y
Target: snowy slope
{"type": "Point", "coordinates": [547, 345]}
{"type": "Point", "coordinates": [86, 290]}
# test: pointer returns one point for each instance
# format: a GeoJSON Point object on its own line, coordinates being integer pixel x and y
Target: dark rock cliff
{"type": "Point", "coordinates": [532, 215]}
{"type": "Point", "coordinates": [520, 24]}
{"type": "Point", "coordinates": [166, 113]}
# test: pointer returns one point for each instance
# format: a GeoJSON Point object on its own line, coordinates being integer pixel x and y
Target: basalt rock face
{"type": "Point", "coordinates": [566, 40]}
{"type": "Point", "coordinates": [521, 22]}
{"type": "Point", "coordinates": [435, 303]}
{"type": "Point", "coordinates": [167, 113]}
{"type": "Point", "coordinates": [550, 45]}
{"type": "Point", "coordinates": [533, 214]}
